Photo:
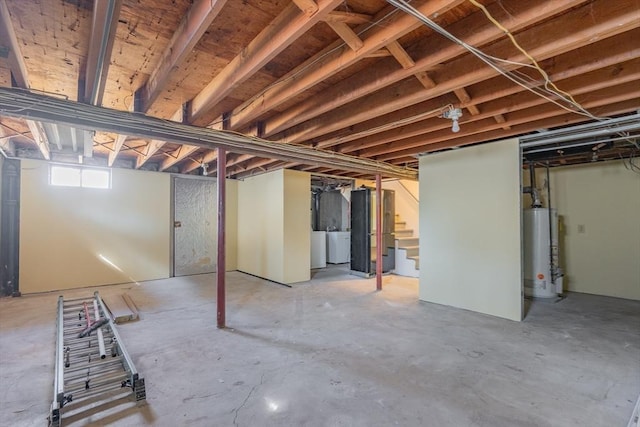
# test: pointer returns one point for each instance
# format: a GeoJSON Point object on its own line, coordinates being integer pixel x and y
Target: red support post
{"type": "Point", "coordinates": [220, 269]}
{"type": "Point", "coordinates": [378, 232]}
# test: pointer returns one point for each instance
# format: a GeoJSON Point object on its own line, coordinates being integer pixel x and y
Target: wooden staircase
{"type": "Point", "coordinates": [407, 250]}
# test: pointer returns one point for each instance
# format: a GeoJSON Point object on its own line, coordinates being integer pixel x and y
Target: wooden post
{"type": "Point", "coordinates": [378, 232]}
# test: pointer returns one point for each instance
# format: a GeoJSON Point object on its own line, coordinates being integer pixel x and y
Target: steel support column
{"type": "Point", "coordinates": [379, 260]}
{"type": "Point", "coordinates": [220, 269]}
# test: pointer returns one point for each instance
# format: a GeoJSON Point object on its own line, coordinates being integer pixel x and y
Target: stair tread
{"type": "Point", "coordinates": [409, 247]}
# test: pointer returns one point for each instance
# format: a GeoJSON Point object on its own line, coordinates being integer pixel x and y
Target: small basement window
{"type": "Point", "coordinates": [69, 176]}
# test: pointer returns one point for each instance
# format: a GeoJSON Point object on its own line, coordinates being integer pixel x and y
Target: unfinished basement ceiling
{"type": "Point", "coordinates": [362, 78]}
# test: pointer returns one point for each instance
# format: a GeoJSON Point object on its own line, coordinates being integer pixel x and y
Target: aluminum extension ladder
{"type": "Point", "coordinates": [92, 365]}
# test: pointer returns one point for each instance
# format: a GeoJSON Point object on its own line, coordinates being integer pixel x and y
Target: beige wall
{"type": "Point", "coordinates": [470, 215]}
{"type": "Point", "coordinates": [75, 237]}
{"type": "Point", "coordinates": [274, 226]}
{"type": "Point", "coordinates": [599, 205]}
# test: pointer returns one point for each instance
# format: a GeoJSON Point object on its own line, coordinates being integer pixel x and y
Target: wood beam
{"type": "Point", "coordinates": [39, 136]}
{"type": "Point", "coordinates": [190, 30]}
{"type": "Point", "coordinates": [277, 36]}
{"type": "Point", "coordinates": [119, 141]}
{"type": "Point", "coordinates": [462, 94]}
{"type": "Point", "coordinates": [347, 35]}
{"type": "Point", "coordinates": [206, 159]}
{"type": "Point", "coordinates": [475, 30]}
{"type": "Point", "coordinates": [53, 134]}
{"type": "Point", "coordinates": [591, 100]}
{"type": "Point", "coordinates": [543, 41]}
{"type": "Point", "coordinates": [605, 54]}
{"type": "Point", "coordinates": [5, 75]}
{"type": "Point", "coordinates": [18, 68]}
{"type": "Point", "coordinates": [550, 122]}
{"type": "Point", "coordinates": [348, 17]}
{"type": "Point", "coordinates": [329, 63]}
{"type": "Point", "coordinates": [103, 33]}
{"type": "Point", "coordinates": [580, 85]}
{"type": "Point", "coordinates": [500, 118]}
{"type": "Point", "coordinates": [155, 144]}
{"type": "Point", "coordinates": [309, 7]}
{"type": "Point", "coordinates": [181, 153]}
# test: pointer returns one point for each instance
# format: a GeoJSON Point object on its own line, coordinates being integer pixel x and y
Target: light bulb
{"type": "Point", "coordinates": [455, 128]}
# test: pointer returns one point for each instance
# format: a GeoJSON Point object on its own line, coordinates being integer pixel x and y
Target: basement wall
{"type": "Point", "coordinates": [599, 206]}
{"type": "Point", "coordinates": [75, 237]}
{"type": "Point", "coordinates": [274, 229]}
{"type": "Point", "coordinates": [470, 229]}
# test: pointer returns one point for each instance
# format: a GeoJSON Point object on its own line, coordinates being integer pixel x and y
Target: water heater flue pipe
{"type": "Point", "coordinates": [531, 189]}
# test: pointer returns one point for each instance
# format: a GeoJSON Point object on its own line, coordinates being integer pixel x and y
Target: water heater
{"type": "Point", "coordinates": [541, 253]}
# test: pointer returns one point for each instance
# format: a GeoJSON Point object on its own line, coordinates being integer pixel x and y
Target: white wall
{"type": "Point", "coordinates": [76, 237]}
{"type": "Point", "coordinates": [407, 196]}
{"type": "Point", "coordinates": [599, 205]}
{"type": "Point", "coordinates": [274, 229]}
{"type": "Point", "coordinates": [470, 229]}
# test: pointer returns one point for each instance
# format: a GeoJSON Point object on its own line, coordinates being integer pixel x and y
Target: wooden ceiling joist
{"type": "Point", "coordinates": [475, 30]}
{"type": "Point", "coordinates": [155, 144]}
{"type": "Point", "coordinates": [103, 32]}
{"type": "Point", "coordinates": [40, 137]}
{"type": "Point", "coordinates": [327, 64]}
{"type": "Point", "coordinates": [19, 73]}
{"type": "Point", "coordinates": [192, 27]}
{"type": "Point", "coordinates": [546, 123]}
{"type": "Point", "coordinates": [118, 143]}
{"type": "Point", "coordinates": [607, 53]}
{"type": "Point", "coordinates": [500, 118]}
{"type": "Point", "coordinates": [522, 100]}
{"type": "Point", "coordinates": [309, 7]}
{"type": "Point", "coordinates": [181, 153]}
{"type": "Point", "coordinates": [464, 97]}
{"type": "Point", "coordinates": [543, 41]}
{"type": "Point", "coordinates": [277, 36]}
{"type": "Point", "coordinates": [592, 100]}
{"type": "Point", "coordinates": [206, 159]}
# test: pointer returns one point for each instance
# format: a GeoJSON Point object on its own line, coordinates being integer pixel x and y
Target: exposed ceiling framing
{"type": "Point", "coordinates": [359, 78]}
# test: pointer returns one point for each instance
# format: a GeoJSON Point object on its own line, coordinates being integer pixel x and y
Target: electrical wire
{"type": "Point", "coordinates": [493, 61]}
{"type": "Point", "coordinates": [525, 53]}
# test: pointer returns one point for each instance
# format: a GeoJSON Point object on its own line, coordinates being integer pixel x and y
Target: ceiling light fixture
{"type": "Point", "coordinates": [454, 114]}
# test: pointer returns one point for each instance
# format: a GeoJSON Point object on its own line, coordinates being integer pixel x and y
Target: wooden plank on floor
{"type": "Point", "coordinates": [121, 307]}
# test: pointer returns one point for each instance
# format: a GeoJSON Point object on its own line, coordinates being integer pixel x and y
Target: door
{"type": "Point", "coordinates": [194, 226]}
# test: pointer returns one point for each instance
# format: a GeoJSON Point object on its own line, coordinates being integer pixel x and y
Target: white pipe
{"type": "Point", "coordinates": [585, 127]}
{"type": "Point", "coordinates": [103, 353]}
{"type": "Point", "coordinates": [576, 136]}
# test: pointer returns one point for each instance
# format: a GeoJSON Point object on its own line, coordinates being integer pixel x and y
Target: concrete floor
{"type": "Point", "coordinates": [332, 352]}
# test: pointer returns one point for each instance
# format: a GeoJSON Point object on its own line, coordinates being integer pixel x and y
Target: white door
{"type": "Point", "coordinates": [194, 226]}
